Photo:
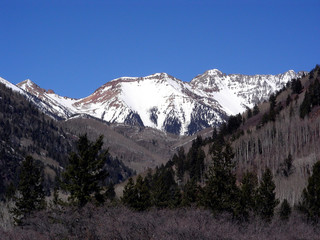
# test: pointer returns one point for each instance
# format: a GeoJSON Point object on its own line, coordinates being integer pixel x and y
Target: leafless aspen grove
{"type": "Point", "coordinates": [121, 223]}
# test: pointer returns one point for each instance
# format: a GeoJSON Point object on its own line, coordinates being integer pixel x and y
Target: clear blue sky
{"type": "Point", "coordinates": [75, 46]}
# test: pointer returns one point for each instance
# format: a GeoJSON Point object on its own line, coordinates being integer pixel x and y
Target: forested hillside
{"type": "Point", "coordinates": [284, 136]}
{"type": "Point", "coordinates": [26, 131]}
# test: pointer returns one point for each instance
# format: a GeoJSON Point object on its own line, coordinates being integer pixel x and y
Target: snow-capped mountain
{"type": "Point", "coordinates": [237, 91]}
{"type": "Point", "coordinates": [60, 107]}
{"type": "Point", "coordinates": [163, 102]}
{"type": "Point", "coordinates": [158, 101]}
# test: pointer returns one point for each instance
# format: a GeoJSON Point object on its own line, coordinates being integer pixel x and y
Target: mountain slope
{"type": "Point", "coordinates": [235, 92]}
{"type": "Point", "coordinates": [24, 130]}
{"type": "Point", "coordinates": [60, 107]}
{"type": "Point", "coordinates": [159, 101]}
{"type": "Point", "coordinates": [163, 102]}
{"type": "Point", "coordinates": [282, 140]}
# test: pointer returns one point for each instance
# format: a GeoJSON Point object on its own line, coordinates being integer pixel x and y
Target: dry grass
{"type": "Point", "coordinates": [122, 223]}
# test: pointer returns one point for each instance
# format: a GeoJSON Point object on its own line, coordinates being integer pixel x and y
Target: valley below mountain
{"type": "Point", "coordinates": [167, 138]}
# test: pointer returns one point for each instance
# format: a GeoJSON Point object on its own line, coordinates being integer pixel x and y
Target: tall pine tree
{"type": "Point", "coordinates": [30, 191]}
{"type": "Point", "coordinates": [311, 195]}
{"type": "Point", "coordinates": [130, 194]}
{"type": "Point", "coordinates": [220, 192]}
{"type": "Point", "coordinates": [266, 197]}
{"type": "Point", "coordinates": [85, 173]}
{"type": "Point", "coordinates": [247, 195]}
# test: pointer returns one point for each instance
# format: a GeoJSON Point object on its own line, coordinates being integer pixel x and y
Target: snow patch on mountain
{"type": "Point", "coordinates": [12, 86]}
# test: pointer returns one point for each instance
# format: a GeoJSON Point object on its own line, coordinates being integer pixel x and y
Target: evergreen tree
{"type": "Point", "coordinates": [164, 190]}
{"type": "Point", "coordinates": [285, 210]}
{"type": "Point", "coordinates": [143, 198]}
{"type": "Point", "coordinates": [311, 195]}
{"type": "Point", "coordinates": [311, 99]}
{"type": "Point", "coordinates": [234, 123]}
{"type": "Point", "coordinates": [220, 192]}
{"type": "Point", "coordinates": [315, 93]}
{"type": "Point", "coordinates": [247, 195]}
{"type": "Point", "coordinates": [288, 100]}
{"type": "Point", "coordinates": [214, 134]}
{"type": "Point", "coordinates": [272, 110]}
{"type": "Point", "coordinates": [190, 193]}
{"type": "Point", "coordinates": [130, 195]}
{"type": "Point", "coordinates": [249, 113]}
{"type": "Point", "coordinates": [296, 86]}
{"type": "Point", "coordinates": [266, 197]}
{"type": "Point", "coordinates": [272, 101]}
{"type": "Point", "coordinates": [85, 172]}
{"type": "Point", "coordinates": [195, 159]}
{"type": "Point", "coordinates": [256, 110]}
{"type": "Point", "coordinates": [288, 165]}
{"type": "Point", "coordinates": [30, 191]}
{"type": "Point", "coordinates": [305, 106]}
{"type": "Point", "coordinates": [179, 161]}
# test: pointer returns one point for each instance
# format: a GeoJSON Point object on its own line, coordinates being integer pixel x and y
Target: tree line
{"type": "Point", "coordinates": [84, 181]}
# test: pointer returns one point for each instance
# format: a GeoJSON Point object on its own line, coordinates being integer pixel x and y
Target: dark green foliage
{"type": "Point", "coordinates": [143, 200]}
{"type": "Point", "coordinates": [310, 204]}
{"type": "Point", "coordinates": [249, 113]}
{"type": "Point", "coordinates": [288, 100]}
{"type": "Point", "coordinates": [315, 93]}
{"type": "Point", "coordinates": [129, 194]}
{"type": "Point", "coordinates": [305, 107]}
{"type": "Point", "coordinates": [272, 110]}
{"type": "Point", "coordinates": [164, 189]}
{"type": "Point", "coordinates": [85, 172]}
{"type": "Point", "coordinates": [311, 98]}
{"type": "Point", "coordinates": [220, 193]}
{"type": "Point", "coordinates": [191, 192]}
{"type": "Point", "coordinates": [285, 210]}
{"type": "Point", "coordinates": [272, 101]}
{"type": "Point", "coordinates": [192, 163]}
{"type": "Point", "coordinates": [314, 71]}
{"type": "Point", "coordinates": [255, 110]}
{"type": "Point", "coordinates": [30, 191]}
{"type": "Point", "coordinates": [296, 86]}
{"type": "Point", "coordinates": [286, 168]}
{"type": "Point", "coordinates": [195, 159]}
{"type": "Point", "coordinates": [217, 138]}
{"type": "Point", "coordinates": [265, 118]}
{"type": "Point", "coordinates": [247, 196]}
{"type": "Point", "coordinates": [234, 122]}
{"type": "Point", "coordinates": [266, 198]}
{"type": "Point", "coordinates": [180, 162]}
{"type": "Point", "coordinates": [137, 196]}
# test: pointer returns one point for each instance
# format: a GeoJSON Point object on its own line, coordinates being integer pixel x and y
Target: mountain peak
{"type": "Point", "coordinates": [213, 72]}
{"type": "Point", "coordinates": [27, 83]}
{"type": "Point", "coordinates": [29, 86]}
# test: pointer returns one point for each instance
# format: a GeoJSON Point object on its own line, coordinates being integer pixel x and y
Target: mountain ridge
{"type": "Point", "coordinates": [164, 102]}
